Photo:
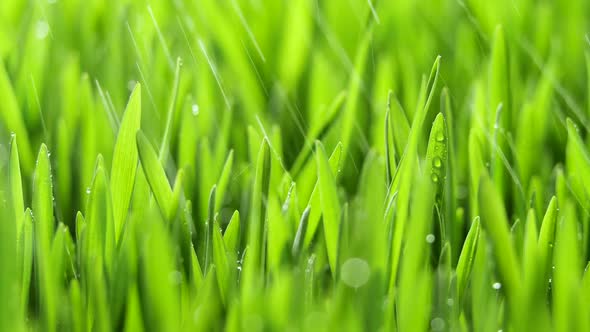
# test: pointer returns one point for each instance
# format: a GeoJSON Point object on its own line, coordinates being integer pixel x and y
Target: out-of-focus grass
{"type": "Point", "coordinates": [304, 165]}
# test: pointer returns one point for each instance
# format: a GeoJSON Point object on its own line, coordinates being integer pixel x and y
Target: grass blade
{"type": "Point", "coordinates": [466, 259]}
{"type": "Point", "coordinates": [329, 203]}
{"type": "Point", "coordinates": [125, 158]}
{"type": "Point", "coordinates": [155, 174]}
{"type": "Point", "coordinates": [45, 224]}
{"type": "Point", "coordinates": [493, 216]}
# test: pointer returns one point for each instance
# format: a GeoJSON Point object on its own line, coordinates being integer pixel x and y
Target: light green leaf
{"type": "Point", "coordinates": [493, 216]}
{"type": "Point", "coordinates": [221, 263]}
{"type": "Point", "coordinates": [466, 259]}
{"type": "Point", "coordinates": [231, 237]}
{"type": "Point", "coordinates": [329, 203]}
{"type": "Point", "coordinates": [125, 158]}
{"type": "Point", "coordinates": [314, 200]}
{"type": "Point", "coordinates": [155, 174]}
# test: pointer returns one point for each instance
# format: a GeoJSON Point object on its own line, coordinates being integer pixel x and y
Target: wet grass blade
{"type": "Point", "coordinates": [547, 239]}
{"type": "Point", "coordinates": [45, 224]}
{"type": "Point", "coordinates": [494, 220]}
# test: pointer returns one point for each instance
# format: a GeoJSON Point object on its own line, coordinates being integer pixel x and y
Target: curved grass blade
{"type": "Point", "coordinates": [577, 166]}
{"type": "Point", "coordinates": [15, 180]}
{"type": "Point", "coordinates": [125, 158]}
{"type": "Point", "coordinates": [547, 238]}
{"type": "Point", "coordinates": [223, 182]}
{"type": "Point", "coordinates": [155, 174]}
{"type": "Point", "coordinates": [301, 229]}
{"type": "Point", "coordinates": [221, 263]}
{"type": "Point", "coordinates": [466, 259]}
{"type": "Point", "coordinates": [329, 203]}
{"type": "Point", "coordinates": [25, 258]}
{"type": "Point", "coordinates": [10, 310]}
{"type": "Point", "coordinates": [493, 216]}
{"type": "Point", "coordinates": [437, 154]}
{"type": "Point", "coordinates": [314, 199]}
{"type": "Point", "coordinates": [171, 115]}
{"type": "Point", "coordinates": [231, 237]}
{"type": "Point", "coordinates": [45, 224]}
{"type": "Point", "coordinates": [209, 229]}
{"type": "Point", "coordinates": [100, 241]}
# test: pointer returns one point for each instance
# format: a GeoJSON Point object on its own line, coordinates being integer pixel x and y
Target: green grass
{"type": "Point", "coordinates": [249, 165]}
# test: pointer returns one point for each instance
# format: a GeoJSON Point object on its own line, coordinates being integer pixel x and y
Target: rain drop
{"type": "Point", "coordinates": [430, 238]}
{"type": "Point", "coordinates": [497, 286]}
{"type": "Point", "coordinates": [131, 85]}
{"type": "Point", "coordinates": [440, 137]}
{"type": "Point", "coordinates": [88, 190]}
{"type": "Point", "coordinates": [437, 324]}
{"type": "Point", "coordinates": [437, 162]}
{"type": "Point", "coordinates": [434, 177]}
{"type": "Point", "coordinates": [195, 109]}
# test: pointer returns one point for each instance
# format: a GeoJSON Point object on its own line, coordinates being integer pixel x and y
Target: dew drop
{"type": "Point", "coordinates": [88, 190]}
{"type": "Point", "coordinates": [496, 285]}
{"type": "Point", "coordinates": [437, 324]}
{"type": "Point", "coordinates": [434, 177]}
{"type": "Point", "coordinates": [355, 272]}
{"type": "Point", "coordinates": [41, 29]}
{"type": "Point", "coordinates": [440, 137]}
{"type": "Point", "coordinates": [195, 109]}
{"type": "Point", "coordinates": [437, 162]}
{"type": "Point", "coordinates": [131, 85]}
{"type": "Point", "coordinates": [430, 238]}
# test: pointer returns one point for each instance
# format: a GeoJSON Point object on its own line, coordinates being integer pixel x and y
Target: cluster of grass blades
{"type": "Point", "coordinates": [294, 165]}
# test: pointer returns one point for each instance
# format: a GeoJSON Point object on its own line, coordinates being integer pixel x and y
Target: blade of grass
{"type": "Point", "coordinates": [329, 204]}
{"type": "Point", "coordinates": [125, 158]}
{"type": "Point", "coordinates": [155, 174]}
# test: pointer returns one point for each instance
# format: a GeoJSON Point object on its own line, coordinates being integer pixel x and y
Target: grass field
{"type": "Point", "coordinates": [301, 165]}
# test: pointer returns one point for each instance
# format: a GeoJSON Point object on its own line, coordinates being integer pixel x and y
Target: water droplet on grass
{"type": "Point", "coordinates": [195, 109]}
{"type": "Point", "coordinates": [41, 29]}
{"type": "Point", "coordinates": [496, 285]}
{"type": "Point", "coordinates": [355, 272]}
{"type": "Point", "coordinates": [437, 324]}
{"type": "Point", "coordinates": [430, 238]}
{"type": "Point", "coordinates": [437, 162]}
{"type": "Point", "coordinates": [440, 137]}
{"type": "Point", "coordinates": [434, 178]}
{"type": "Point", "coordinates": [131, 85]}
